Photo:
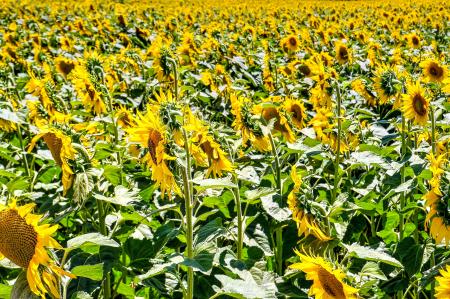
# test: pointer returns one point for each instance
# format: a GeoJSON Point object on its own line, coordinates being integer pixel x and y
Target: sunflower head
{"type": "Point", "coordinates": [434, 71]}
{"type": "Point", "coordinates": [386, 80]}
{"type": "Point", "coordinates": [327, 281]}
{"type": "Point", "coordinates": [343, 54]}
{"type": "Point", "coordinates": [443, 288]}
{"type": "Point", "coordinates": [24, 242]}
{"type": "Point", "coordinates": [415, 104]}
{"type": "Point", "coordinates": [291, 43]}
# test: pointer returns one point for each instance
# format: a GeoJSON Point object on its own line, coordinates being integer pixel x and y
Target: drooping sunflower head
{"type": "Point", "coordinates": [433, 70]}
{"type": "Point", "coordinates": [328, 283]}
{"type": "Point", "coordinates": [64, 65]}
{"type": "Point", "coordinates": [24, 242]}
{"type": "Point", "coordinates": [415, 104]}
{"type": "Point", "coordinates": [269, 112]}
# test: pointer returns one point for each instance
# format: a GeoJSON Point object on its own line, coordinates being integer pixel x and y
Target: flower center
{"type": "Point", "coordinates": [419, 105]}
{"type": "Point", "coordinates": [330, 284]}
{"type": "Point", "coordinates": [415, 40]}
{"type": "Point", "coordinates": [17, 238]}
{"type": "Point", "coordinates": [343, 53]}
{"type": "Point", "coordinates": [154, 138]}
{"type": "Point", "coordinates": [436, 71]}
{"type": "Point", "coordinates": [293, 41]}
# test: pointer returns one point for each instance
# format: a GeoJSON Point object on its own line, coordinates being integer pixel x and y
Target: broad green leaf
{"type": "Point", "coordinates": [273, 209]}
{"type": "Point", "coordinates": [371, 254]}
{"type": "Point", "coordinates": [204, 184]}
{"type": "Point", "coordinates": [122, 196]}
{"type": "Point", "coordinates": [94, 272]}
{"type": "Point", "coordinates": [93, 238]}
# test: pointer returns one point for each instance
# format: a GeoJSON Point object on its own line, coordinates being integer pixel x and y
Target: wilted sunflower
{"type": "Point", "coordinates": [433, 70]}
{"type": "Point", "coordinates": [361, 88]}
{"type": "Point", "coordinates": [443, 289]}
{"type": "Point", "coordinates": [415, 104]}
{"type": "Point", "coordinates": [150, 133]}
{"type": "Point", "coordinates": [327, 282]}
{"type": "Point", "coordinates": [306, 223]}
{"type": "Point", "coordinates": [24, 242]}
{"type": "Point", "coordinates": [60, 146]}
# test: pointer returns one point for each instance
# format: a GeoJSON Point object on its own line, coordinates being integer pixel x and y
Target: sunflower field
{"type": "Point", "coordinates": [224, 149]}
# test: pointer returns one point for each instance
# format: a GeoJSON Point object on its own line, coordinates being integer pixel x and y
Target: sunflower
{"type": "Point", "coordinates": [64, 65]}
{"type": "Point", "coordinates": [327, 282]}
{"type": "Point", "coordinates": [343, 54]}
{"type": "Point", "coordinates": [297, 112]}
{"type": "Point", "coordinates": [443, 289]}
{"type": "Point", "coordinates": [124, 117]}
{"type": "Point", "coordinates": [150, 133]}
{"type": "Point", "coordinates": [413, 40]}
{"type": "Point", "coordinates": [415, 104]}
{"type": "Point", "coordinates": [306, 223]}
{"type": "Point", "coordinates": [384, 83]}
{"type": "Point", "coordinates": [244, 123]}
{"type": "Point", "coordinates": [60, 146]}
{"type": "Point", "coordinates": [24, 242]}
{"type": "Point", "coordinates": [433, 70]}
{"type": "Point", "coordinates": [290, 43]}
{"type": "Point", "coordinates": [360, 87]}
{"type": "Point", "coordinates": [281, 123]}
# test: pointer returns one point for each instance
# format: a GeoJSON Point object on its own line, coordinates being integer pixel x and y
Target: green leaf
{"type": "Point", "coordinates": [370, 254]}
{"type": "Point", "coordinates": [5, 291]}
{"type": "Point", "coordinates": [203, 184]}
{"type": "Point", "coordinates": [252, 195]}
{"type": "Point", "coordinates": [92, 238]}
{"type": "Point", "coordinates": [94, 272]}
{"type": "Point", "coordinates": [112, 174]}
{"type": "Point", "coordinates": [122, 196]}
{"type": "Point", "coordinates": [202, 262]}
{"type": "Point", "coordinates": [411, 255]}
{"type": "Point", "coordinates": [371, 269]}
{"type": "Point", "coordinates": [272, 208]}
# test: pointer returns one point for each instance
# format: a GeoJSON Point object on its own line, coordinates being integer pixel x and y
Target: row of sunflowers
{"type": "Point", "coordinates": [232, 149]}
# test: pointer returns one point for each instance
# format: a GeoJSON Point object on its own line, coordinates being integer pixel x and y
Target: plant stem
{"type": "Point", "coordinates": [338, 145]}
{"type": "Point", "coordinates": [433, 150]}
{"type": "Point", "coordinates": [175, 74]}
{"type": "Point", "coordinates": [240, 224]}
{"type": "Point", "coordinates": [279, 229]}
{"type": "Point", "coordinates": [103, 231]}
{"type": "Point", "coordinates": [402, 173]}
{"type": "Point", "coordinates": [186, 174]}
{"type": "Point", "coordinates": [24, 154]}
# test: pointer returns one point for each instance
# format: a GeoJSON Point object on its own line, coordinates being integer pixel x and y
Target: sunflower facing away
{"type": "Point", "coordinates": [62, 151]}
{"type": "Point", "coordinates": [415, 104]}
{"type": "Point", "coordinates": [24, 241]}
{"type": "Point", "coordinates": [327, 282]}
{"type": "Point", "coordinates": [384, 83]}
{"type": "Point", "coordinates": [443, 289]}
{"type": "Point", "coordinates": [306, 222]}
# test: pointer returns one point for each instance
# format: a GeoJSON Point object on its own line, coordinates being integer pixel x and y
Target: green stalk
{"type": "Point", "coordinates": [278, 229]}
{"type": "Point", "coordinates": [338, 147]}
{"type": "Point", "coordinates": [433, 150]}
{"type": "Point", "coordinates": [186, 174]}
{"type": "Point", "coordinates": [402, 172]}
{"type": "Point", "coordinates": [24, 154]}
{"type": "Point", "coordinates": [175, 78]}
{"type": "Point", "coordinates": [103, 231]}
{"type": "Point", "coordinates": [240, 222]}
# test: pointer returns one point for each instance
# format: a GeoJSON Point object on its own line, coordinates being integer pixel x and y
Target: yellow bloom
{"type": "Point", "coordinates": [281, 123]}
{"type": "Point", "coordinates": [327, 282]}
{"type": "Point", "coordinates": [415, 104]}
{"type": "Point", "coordinates": [343, 54]}
{"type": "Point", "coordinates": [433, 70]}
{"type": "Point", "coordinates": [359, 86]}
{"type": "Point", "coordinates": [64, 65]}
{"type": "Point", "coordinates": [149, 132]}
{"type": "Point", "coordinates": [62, 151]}
{"type": "Point", "coordinates": [384, 83]}
{"type": "Point", "coordinates": [290, 43]}
{"type": "Point", "coordinates": [297, 111]}
{"type": "Point", "coordinates": [306, 223]}
{"type": "Point", "coordinates": [24, 242]}
{"type": "Point", "coordinates": [443, 289]}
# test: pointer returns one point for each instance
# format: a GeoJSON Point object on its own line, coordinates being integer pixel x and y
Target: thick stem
{"type": "Point", "coordinates": [103, 231]}
{"type": "Point", "coordinates": [278, 230]}
{"type": "Point", "coordinates": [240, 222]}
{"type": "Point", "coordinates": [175, 74]}
{"type": "Point", "coordinates": [338, 144]}
{"type": "Point", "coordinates": [433, 150]}
{"type": "Point", "coordinates": [186, 174]}
{"type": "Point", "coordinates": [24, 154]}
{"type": "Point", "coordinates": [402, 172]}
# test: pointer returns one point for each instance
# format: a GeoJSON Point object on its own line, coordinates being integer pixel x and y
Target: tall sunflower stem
{"type": "Point", "coordinates": [23, 154]}
{"type": "Point", "coordinates": [338, 144]}
{"type": "Point", "coordinates": [240, 219]}
{"type": "Point", "coordinates": [187, 186]}
{"type": "Point", "coordinates": [279, 229]}
{"type": "Point", "coordinates": [402, 173]}
{"type": "Point", "coordinates": [433, 150]}
{"type": "Point", "coordinates": [103, 231]}
{"type": "Point", "coordinates": [175, 74]}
